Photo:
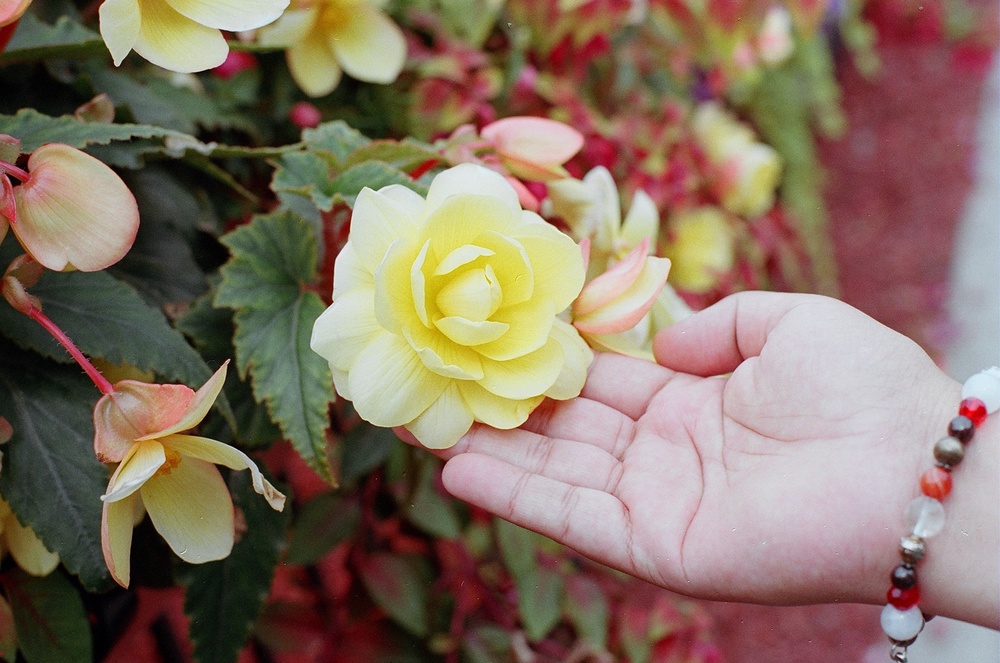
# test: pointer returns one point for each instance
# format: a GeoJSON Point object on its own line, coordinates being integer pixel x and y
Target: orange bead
{"type": "Point", "coordinates": [936, 482]}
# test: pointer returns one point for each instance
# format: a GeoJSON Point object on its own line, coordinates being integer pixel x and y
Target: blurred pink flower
{"type": "Point", "coordinates": [533, 148]}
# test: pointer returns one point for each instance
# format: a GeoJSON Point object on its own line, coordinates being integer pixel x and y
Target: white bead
{"type": "Point", "coordinates": [986, 387]}
{"type": "Point", "coordinates": [925, 517]}
{"type": "Point", "coordinates": [902, 625]}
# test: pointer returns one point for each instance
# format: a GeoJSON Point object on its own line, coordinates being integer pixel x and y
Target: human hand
{"type": "Point", "coordinates": [784, 483]}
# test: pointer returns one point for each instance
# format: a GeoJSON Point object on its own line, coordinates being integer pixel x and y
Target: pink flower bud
{"type": "Point", "coordinates": [305, 115]}
{"type": "Point", "coordinates": [234, 63]}
{"type": "Point", "coordinates": [533, 148]}
{"type": "Point", "coordinates": [11, 10]}
{"type": "Point", "coordinates": [73, 211]}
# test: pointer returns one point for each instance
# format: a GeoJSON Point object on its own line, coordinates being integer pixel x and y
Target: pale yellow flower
{"type": "Point", "coordinates": [180, 35]}
{"type": "Point", "coordinates": [747, 171]}
{"type": "Point", "coordinates": [72, 211]}
{"type": "Point", "coordinates": [325, 38]}
{"type": "Point", "coordinates": [24, 545]}
{"type": "Point", "coordinates": [701, 248]}
{"type": "Point", "coordinates": [592, 209]}
{"type": "Point", "coordinates": [169, 475]}
{"type": "Point", "coordinates": [445, 310]}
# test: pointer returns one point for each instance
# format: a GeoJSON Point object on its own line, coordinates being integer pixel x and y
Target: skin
{"type": "Point", "coordinates": [783, 483]}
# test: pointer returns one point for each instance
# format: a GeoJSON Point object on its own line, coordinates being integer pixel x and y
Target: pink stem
{"type": "Point", "coordinates": [11, 169]}
{"type": "Point", "coordinates": [99, 380]}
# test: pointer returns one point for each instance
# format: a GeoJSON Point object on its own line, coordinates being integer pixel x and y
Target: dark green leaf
{"type": "Point", "coordinates": [488, 644]}
{"type": "Point", "coordinates": [266, 281]}
{"type": "Point", "coordinates": [404, 155]}
{"type": "Point", "coordinates": [34, 129]}
{"type": "Point", "coordinates": [322, 523]}
{"type": "Point", "coordinates": [539, 590]}
{"type": "Point", "coordinates": [306, 174]}
{"type": "Point", "coordinates": [363, 449]}
{"type": "Point", "coordinates": [224, 598]}
{"type": "Point", "coordinates": [106, 318]}
{"type": "Point", "coordinates": [370, 174]}
{"type": "Point", "coordinates": [36, 40]}
{"type": "Point", "coordinates": [335, 138]}
{"type": "Point", "coordinates": [587, 609]}
{"type": "Point", "coordinates": [427, 507]}
{"type": "Point", "coordinates": [49, 617]}
{"type": "Point", "coordinates": [400, 584]}
{"type": "Point", "coordinates": [51, 477]}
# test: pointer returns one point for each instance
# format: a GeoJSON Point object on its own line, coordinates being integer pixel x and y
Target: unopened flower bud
{"type": "Point", "coordinates": [26, 270]}
{"type": "Point", "coordinates": [14, 292]}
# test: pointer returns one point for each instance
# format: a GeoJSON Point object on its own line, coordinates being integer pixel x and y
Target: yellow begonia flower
{"type": "Point", "coordinates": [324, 38]}
{"type": "Point", "coordinates": [72, 211]}
{"type": "Point", "coordinates": [747, 171]}
{"type": "Point", "coordinates": [592, 209]}
{"type": "Point", "coordinates": [170, 475]}
{"type": "Point", "coordinates": [24, 545]}
{"type": "Point", "coordinates": [445, 310]}
{"type": "Point", "coordinates": [180, 35]}
{"type": "Point", "coordinates": [701, 248]}
{"type": "Point", "coordinates": [11, 10]}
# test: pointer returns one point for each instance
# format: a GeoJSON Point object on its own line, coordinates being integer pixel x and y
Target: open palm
{"type": "Point", "coordinates": [782, 483]}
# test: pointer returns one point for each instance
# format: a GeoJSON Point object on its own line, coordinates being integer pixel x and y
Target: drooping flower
{"type": "Point", "coordinates": [445, 309]}
{"type": "Point", "coordinates": [70, 210]}
{"type": "Point", "coordinates": [700, 247]}
{"type": "Point", "coordinates": [181, 35]}
{"type": "Point", "coordinates": [747, 171]}
{"type": "Point", "coordinates": [592, 209]}
{"type": "Point", "coordinates": [325, 38]}
{"type": "Point", "coordinates": [618, 300]}
{"type": "Point", "coordinates": [11, 10]}
{"type": "Point", "coordinates": [24, 545]}
{"type": "Point", "coordinates": [170, 475]}
{"type": "Point", "coordinates": [533, 148]}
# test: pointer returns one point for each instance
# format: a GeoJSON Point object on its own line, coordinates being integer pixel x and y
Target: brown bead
{"type": "Point", "coordinates": [949, 452]}
{"type": "Point", "coordinates": [911, 549]}
{"type": "Point", "coordinates": [904, 576]}
{"type": "Point", "coordinates": [961, 428]}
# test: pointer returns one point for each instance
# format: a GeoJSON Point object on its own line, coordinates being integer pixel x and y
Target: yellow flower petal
{"type": "Point", "coordinates": [556, 260]}
{"type": "Point", "coordinates": [577, 359]}
{"type": "Point", "coordinates": [460, 257]}
{"type": "Point", "coordinates": [393, 296]}
{"type": "Point", "coordinates": [529, 323]}
{"type": "Point", "coordinates": [369, 46]}
{"type": "Point", "coordinates": [116, 537]}
{"type": "Point", "coordinates": [511, 265]}
{"type": "Point", "coordinates": [474, 294]}
{"type": "Point", "coordinates": [461, 219]}
{"type": "Point", "coordinates": [291, 28]}
{"type": "Point", "coordinates": [469, 332]}
{"type": "Point", "coordinates": [216, 452]}
{"type": "Point", "coordinates": [470, 178]}
{"type": "Point", "coordinates": [141, 462]}
{"type": "Point", "coordinates": [641, 222]}
{"type": "Point", "coordinates": [28, 550]}
{"type": "Point", "coordinates": [191, 508]}
{"type": "Point", "coordinates": [199, 406]}
{"type": "Point", "coordinates": [121, 21]}
{"type": "Point", "coordinates": [494, 410]}
{"type": "Point", "coordinates": [524, 377]}
{"type": "Point", "coordinates": [397, 396]}
{"type": "Point", "coordinates": [443, 356]}
{"type": "Point", "coordinates": [345, 328]}
{"type": "Point", "coordinates": [74, 211]}
{"type": "Point", "coordinates": [444, 422]}
{"type": "Point", "coordinates": [170, 40]}
{"type": "Point", "coordinates": [313, 65]}
{"type": "Point", "coordinates": [377, 222]}
{"type": "Point", "coordinates": [349, 272]}
{"type": "Point", "coordinates": [234, 15]}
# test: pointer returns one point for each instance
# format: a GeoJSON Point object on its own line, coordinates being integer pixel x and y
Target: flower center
{"type": "Point", "coordinates": [474, 294]}
{"type": "Point", "coordinates": [173, 459]}
{"type": "Point", "coordinates": [332, 17]}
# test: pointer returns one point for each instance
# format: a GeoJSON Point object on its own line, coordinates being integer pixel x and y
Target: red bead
{"type": "Point", "coordinates": [974, 409]}
{"type": "Point", "coordinates": [903, 598]}
{"type": "Point", "coordinates": [936, 483]}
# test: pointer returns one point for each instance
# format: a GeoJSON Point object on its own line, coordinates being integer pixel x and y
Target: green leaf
{"type": "Point", "coordinates": [225, 598]}
{"type": "Point", "coordinates": [400, 584]}
{"type": "Point", "coordinates": [266, 281]}
{"type": "Point", "coordinates": [363, 449]}
{"type": "Point", "coordinates": [35, 40]}
{"type": "Point", "coordinates": [404, 155]}
{"type": "Point", "coordinates": [370, 174]}
{"type": "Point", "coordinates": [487, 644]}
{"type": "Point", "coordinates": [539, 590]}
{"type": "Point", "coordinates": [322, 523]}
{"type": "Point", "coordinates": [306, 174]}
{"type": "Point", "coordinates": [49, 617]}
{"type": "Point", "coordinates": [427, 507]}
{"type": "Point", "coordinates": [35, 129]}
{"type": "Point", "coordinates": [106, 318]}
{"type": "Point", "coordinates": [587, 609]}
{"type": "Point", "coordinates": [336, 138]}
{"type": "Point", "coordinates": [51, 477]}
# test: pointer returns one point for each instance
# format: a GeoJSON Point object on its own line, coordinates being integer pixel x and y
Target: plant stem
{"type": "Point", "coordinates": [11, 169]}
{"type": "Point", "coordinates": [99, 380]}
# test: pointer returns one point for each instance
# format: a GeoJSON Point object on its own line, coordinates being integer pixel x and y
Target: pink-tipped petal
{"type": "Point", "coordinates": [133, 410]}
{"type": "Point", "coordinates": [197, 407]}
{"type": "Point", "coordinates": [612, 283]}
{"type": "Point", "coordinates": [535, 140]}
{"type": "Point", "coordinates": [624, 312]}
{"type": "Point", "coordinates": [116, 537]}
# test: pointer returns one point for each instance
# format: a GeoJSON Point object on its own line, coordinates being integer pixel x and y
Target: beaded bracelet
{"type": "Point", "coordinates": [902, 619]}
